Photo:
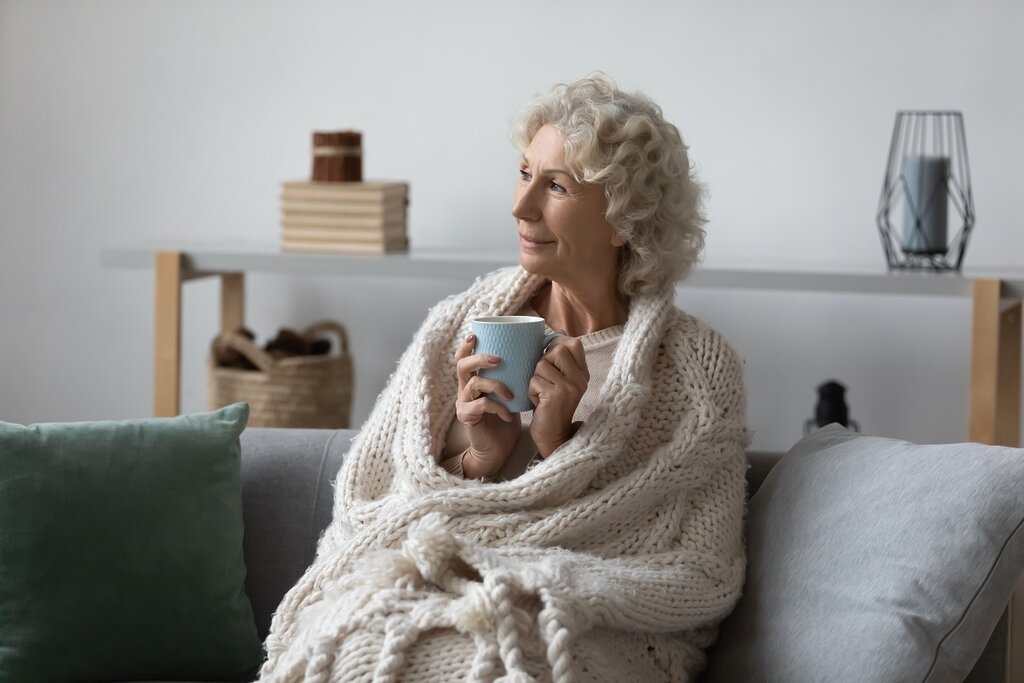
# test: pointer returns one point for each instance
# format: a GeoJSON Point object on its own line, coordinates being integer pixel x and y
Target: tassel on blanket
{"type": "Point", "coordinates": [436, 580]}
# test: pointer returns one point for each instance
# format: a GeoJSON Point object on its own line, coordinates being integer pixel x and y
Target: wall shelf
{"type": "Point", "coordinates": [994, 400]}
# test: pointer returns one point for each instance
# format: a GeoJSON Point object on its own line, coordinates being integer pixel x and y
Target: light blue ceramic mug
{"type": "Point", "coordinates": [519, 341]}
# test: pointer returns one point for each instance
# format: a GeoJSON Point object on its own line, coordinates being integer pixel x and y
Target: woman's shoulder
{"type": "Point", "coordinates": [703, 340]}
{"type": "Point", "coordinates": [682, 322]}
{"type": "Point", "coordinates": [707, 364]}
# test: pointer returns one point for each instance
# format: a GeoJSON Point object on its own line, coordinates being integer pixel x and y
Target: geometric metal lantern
{"type": "Point", "coordinates": [927, 174]}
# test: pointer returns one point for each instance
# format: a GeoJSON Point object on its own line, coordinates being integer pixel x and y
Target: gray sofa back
{"type": "Point", "coordinates": [287, 494]}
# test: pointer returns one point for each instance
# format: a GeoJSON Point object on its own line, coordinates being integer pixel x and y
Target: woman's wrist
{"type": "Point", "coordinates": [473, 467]}
{"type": "Point", "coordinates": [546, 448]}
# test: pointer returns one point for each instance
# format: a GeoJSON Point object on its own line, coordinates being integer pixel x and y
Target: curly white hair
{"type": "Point", "coordinates": [621, 142]}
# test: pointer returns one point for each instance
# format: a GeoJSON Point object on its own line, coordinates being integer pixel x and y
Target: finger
{"type": "Point", "coordinates": [579, 356]}
{"type": "Point", "coordinates": [568, 355]}
{"type": "Point", "coordinates": [466, 347]}
{"type": "Point", "coordinates": [539, 385]}
{"type": "Point", "coordinates": [465, 367]}
{"type": "Point", "coordinates": [473, 411]}
{"type": "Point", "coordinates": [477, 386]}
{"type": "Point", "coordinates": [566, 367]}
{"type": "Point", "coordinates": [568, 342]}
{"type": "Point", "coordinates": [571, 375]}
{"type": "Point", "coordinates": [559, 383]}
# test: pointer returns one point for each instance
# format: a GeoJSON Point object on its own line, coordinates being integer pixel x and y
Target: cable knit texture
{"type": "Point", "coordinates": [614, 559]}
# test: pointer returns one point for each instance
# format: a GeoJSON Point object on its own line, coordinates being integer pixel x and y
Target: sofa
{"type": "Point", "coordinates": [287, 500]}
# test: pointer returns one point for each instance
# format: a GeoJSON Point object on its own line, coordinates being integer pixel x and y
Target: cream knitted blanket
{"type": "Point", "coordinates": [612, 560]}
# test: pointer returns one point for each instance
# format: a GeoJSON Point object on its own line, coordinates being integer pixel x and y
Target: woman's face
{"type": "Point", "coordinates": [563, 232]}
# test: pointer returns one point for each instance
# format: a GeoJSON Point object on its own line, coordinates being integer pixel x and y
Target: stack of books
{"type": "Point", "coordinates": [344, 217]}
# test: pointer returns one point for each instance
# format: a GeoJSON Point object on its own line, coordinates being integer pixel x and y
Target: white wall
{"type": "Point", "coordinates": [126, 122]}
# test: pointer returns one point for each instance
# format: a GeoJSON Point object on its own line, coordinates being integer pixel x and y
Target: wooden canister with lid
{"type": "Point", "coordinates": [338, 156]}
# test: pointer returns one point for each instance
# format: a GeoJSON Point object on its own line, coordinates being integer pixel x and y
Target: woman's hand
{"type": "Point", "coordinates": [491, 427]}
{"type": "Point", "coordinates": [557, 386]}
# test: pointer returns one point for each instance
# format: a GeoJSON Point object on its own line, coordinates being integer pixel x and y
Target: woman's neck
{"type": "Point", "coordinates": [576, 313]}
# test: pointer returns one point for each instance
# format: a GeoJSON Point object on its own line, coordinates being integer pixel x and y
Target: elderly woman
{"type": "Point", "coordinates": [597, 537]}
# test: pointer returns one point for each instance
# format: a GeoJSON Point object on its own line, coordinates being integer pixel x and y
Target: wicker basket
{"type": "Point", "coordinates": [313, 392]}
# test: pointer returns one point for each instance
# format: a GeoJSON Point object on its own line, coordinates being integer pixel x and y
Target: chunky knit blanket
{"type": "Point", "coordinates": [613, 560]}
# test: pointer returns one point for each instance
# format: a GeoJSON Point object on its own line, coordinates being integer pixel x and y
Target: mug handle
{"type": "Point", "coordinates": [548, 338]}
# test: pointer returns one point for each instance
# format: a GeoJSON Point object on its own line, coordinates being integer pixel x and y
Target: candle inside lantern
{"type": "Point", "coordinates": [924, 215]}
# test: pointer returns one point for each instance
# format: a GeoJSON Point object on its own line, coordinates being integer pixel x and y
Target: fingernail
{"type": "Point", "coordinates": [470, 337]}
{"type": "Point", "coordinates": [509, 395]}
{"type": "Point", "coordinates": [493, 360]}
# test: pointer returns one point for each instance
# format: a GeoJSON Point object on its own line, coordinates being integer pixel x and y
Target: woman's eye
{"type": "Point", "coordinates": [523, 175]}
{"type": "Point", "coordinates": [556, 187]}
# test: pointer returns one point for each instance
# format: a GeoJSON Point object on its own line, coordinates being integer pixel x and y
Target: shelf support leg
{"type": "Point", "coordinates": [232, 301]}
{"type": "Point", "coordinates": [167, 335]}
{"type": "Point", "coordinates": [1014, 670]}
{"type": "Point", "coordinates": [995, 367]}
{"type": "Point", "coordinates": [995, 416]}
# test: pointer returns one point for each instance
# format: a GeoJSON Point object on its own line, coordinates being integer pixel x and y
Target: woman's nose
{"type": "Point", "coordinates": [525, 207]}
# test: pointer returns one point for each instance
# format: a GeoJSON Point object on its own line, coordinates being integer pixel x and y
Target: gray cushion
{"type": "Point", "coordinates": [287, 497]}
{"type": "Point", "coordinates": [871, 559]}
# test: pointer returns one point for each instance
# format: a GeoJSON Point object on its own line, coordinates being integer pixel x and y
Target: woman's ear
{"type": "Point", "coordinates": [617, 240]}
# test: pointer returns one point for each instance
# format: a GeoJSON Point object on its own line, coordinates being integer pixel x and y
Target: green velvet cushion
{"type": "Point", "coordinates": [121, 551]}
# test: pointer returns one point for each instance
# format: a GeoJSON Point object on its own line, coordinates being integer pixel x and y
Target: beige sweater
{"type": "Point", "coordinates": [614, 559]}
{"type": "Point", "coordinates": [599, 348]}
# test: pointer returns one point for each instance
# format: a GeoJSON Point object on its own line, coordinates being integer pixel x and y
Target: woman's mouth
{"type": "Point", "coordinates": [531, 244]}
